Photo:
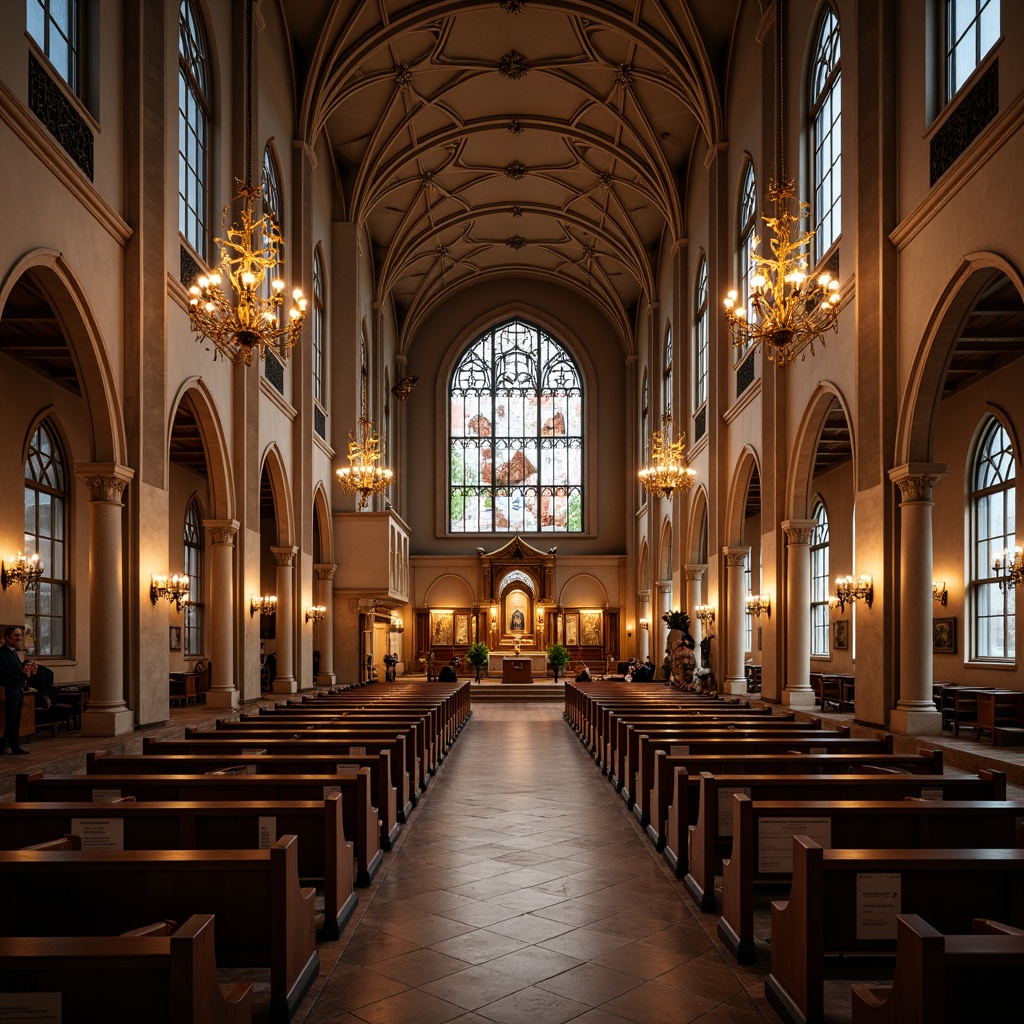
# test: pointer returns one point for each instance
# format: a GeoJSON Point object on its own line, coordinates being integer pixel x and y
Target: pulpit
{"type": "Point", "coordinates": [517, 670]}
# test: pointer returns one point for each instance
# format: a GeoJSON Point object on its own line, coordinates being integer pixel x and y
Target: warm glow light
{"type": "Point", "coordinates": [1009, 568]}
{"type": "Point", "coordinates": [850, 589]}
{"type": "Point", "coordinates": [667, 469]}
{"type": "Point", "coordinates": [706, 613]}
{"type": "Point", "coordinates": [758, 603]}
{"type": "Point", "coordinates": [266, 605]}
{"type": "Point", "coordinates": [364, 475]}
{"type": "Point", "coordinates": [315, 613]}
{"type": "Point", "coordinates": [172, 588]}
{"type": "Point", "coordinates": [26, 570]}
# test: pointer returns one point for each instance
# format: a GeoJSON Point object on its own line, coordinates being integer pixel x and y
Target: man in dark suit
{"type": "Point", "coordinates": [14, 677]}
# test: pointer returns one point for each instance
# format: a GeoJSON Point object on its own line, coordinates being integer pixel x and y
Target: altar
{"type": "Point", "coordinates": [521, 668]}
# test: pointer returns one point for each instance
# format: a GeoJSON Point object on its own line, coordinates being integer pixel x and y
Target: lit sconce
{"type": "Point", "coordinates": [706, 613]}
{"type": "Point", "coordinates": [1009, 568]}
{"type": "Point", "coordinates": [24, 570]}
{"type": "Point", "coordinates": [757, 603]}
{"type": "Point", "coordinates": [397, 625]}
{"type": "Point", "coordinates": [266, 605]}
{"type": "Point", "coordinates": [940, 593]}
{"type": "Point", "coordinates": [173, 588]}
{"type": "Point", "coordinates": [315, 613]}
{"type": "Point", "coordinates": [850, 589]}
{"type": "Point", "coordinates": [645, 623]}
{"type": "Point", "coordinates": [494, 612]}
{"type": "Point", "coordinates": [629, 631]}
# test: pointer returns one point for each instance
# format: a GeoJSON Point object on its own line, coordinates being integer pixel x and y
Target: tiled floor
{"type": "Point", "coordinates": [522, 892]}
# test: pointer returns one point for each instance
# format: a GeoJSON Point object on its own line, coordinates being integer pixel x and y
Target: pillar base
{"type": "Point", "coordinates": [734, 686]}
{"type": "Point", "coordinates": [285, 684]}
{"type": "Point", "coordinates": [798, 698]}
{"type": "Point", "coordinates": [915, 723]}
{"type": "Point", "coordinates": [325, 679]}
{"type": "Point", "coordinates": [227, 698]}
{"type": "Point", "coordinates": [107, 723]}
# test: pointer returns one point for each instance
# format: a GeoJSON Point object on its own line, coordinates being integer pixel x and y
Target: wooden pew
{"type": "Point", "coordinates": [325, 858]}
{"type": "Point", "coordinates": [263, 916]}
{"type": "Point", "coordinates": [879, 824]}
{"type": "Point", "coordinates": [946, 978]}
{"type": "Point", "coordinates": [820, 919]}
{"type": "Point", "coordinates": [115, 979]}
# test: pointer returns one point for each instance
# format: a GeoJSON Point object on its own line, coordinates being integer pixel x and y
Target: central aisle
{"type": "Point", "coordinates": [521, 892]}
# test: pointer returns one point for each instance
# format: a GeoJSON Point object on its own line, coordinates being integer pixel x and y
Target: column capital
{"type": "Point", "coordinates": [798, 531]}
{"type": "Point", "coordinates": [284, 555]}
{"type": "Point", "coordinates": [325, 571]}
{"type": "Point", "coordinates": [695, 572]}
{"type": "Point", "coordinates": [222, 531]}
{"type": "Point", "coordinates": [663, 586]}
{"type": "Point", "coordinates": [917, 479]}
{"type": "Point", "coordinates": [735, 556]}
{"type": "Point", "coordinates": [106, 480]}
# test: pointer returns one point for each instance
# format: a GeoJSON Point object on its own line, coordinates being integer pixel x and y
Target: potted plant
{"type": "Point", "coordinates": [478, 655]}
{"type": "Point", "coordinates": [558, 658]}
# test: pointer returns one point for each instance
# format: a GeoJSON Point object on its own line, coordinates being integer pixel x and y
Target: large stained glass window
{"type": "Point", "coordinates": [516, 435]}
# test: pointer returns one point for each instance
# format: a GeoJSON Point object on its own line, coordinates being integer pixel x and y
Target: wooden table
{"type": "Point", "coordinates": [516, 670]}
{"type": "Point", "coordinates": [183, 687]}
{"type": "Point", "coordinates": [999, 708]}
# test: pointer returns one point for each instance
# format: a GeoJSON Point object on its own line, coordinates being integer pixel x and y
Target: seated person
{"type": "Point", "coordinates": [583, 675]}
{"type": "Point", "coordinates": [448, 673]}
{"type": "Point", "coordinates": [48, 710]}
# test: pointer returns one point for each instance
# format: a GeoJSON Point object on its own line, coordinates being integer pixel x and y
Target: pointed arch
{"type": "Point", "coordinates": [800, 485]}
{"type": "Point", "coordinates": [747, 465]}
{"type": "Point", "coordinates": [322, 521]}
{"type": "Point", "coordinates": [197, 394]}
{"type": "Point", "coordinates": [273, 465]}
{"type": "Point", "coordinates": [696, 537]}
{"type": "Point", "coordinates": [665, 560]}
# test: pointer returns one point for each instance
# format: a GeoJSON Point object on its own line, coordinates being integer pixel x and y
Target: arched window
{"type": "Point", "coordinates": [972, 29]}
{"type": "Point", "coordinates": [516, 435]}
{"type": "Point", "coordinates": [993, 503]}
{"type": "Point", "coordinates": [700, 346]}
{"type": "Point", "coordinates": [747, 222]}
{"type": "Point", "coordinates": [666, 394]}
{"type": "Point", "coordinates": [46, 516]}
{"type": "Point", "coordinates": [193, 538]}
{"type": "Point", "coordinates": [645, 430]}
{"type": "Point", "coordinates": [53, 24]}
{"type": "Point", "coordinates": [319, 328]}
{"type": "Point", "coordinates": [819, 581]}
{"type": "Point", "coordinates": [194, 115]}
{"type": "Point", "coordinates": [825, 110]}
{"type": "Point", "coordinates": [748, 619]}
{"type": "Point", "coordinates": [272, 209]}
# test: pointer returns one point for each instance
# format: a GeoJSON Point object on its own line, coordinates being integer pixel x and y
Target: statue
{"type": "Point", "coordinates": [517, 645]}
{"type": "Point", "coordinates": [679, 649]}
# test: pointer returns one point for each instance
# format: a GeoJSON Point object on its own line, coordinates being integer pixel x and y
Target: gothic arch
{"type": "Point", "coordinates": [322, 518]}
{"type": "Point", "coordinates": [665, 566]}
{"type": "Point", "coordinates": [747, 465]}
{"type": "Point", "coordinates": [643, 576]}
{"type": "Point", "coordinates": [800, 485]}
{"type": "Point", "coordinates": [215, 446]}
{"type": "Point", "coordinates": [698, 519]}
{"type": "Point", "coordinates": [274, 467]}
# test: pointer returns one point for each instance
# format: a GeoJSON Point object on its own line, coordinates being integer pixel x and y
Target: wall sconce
{"type": "Point", "coordinates": [494, 612]}
{"type": "Point", "coordinates": [1010, 568]}
{"type": "Point", "coordinates": [645, 623]}
{"type": "Point", "coordinates": [757, 603]}
{"type": "Point", "coordinates": [849, 589]}
{"type": "Point", "coordinates": [314, 613]}
{"type": "Point", "coordinates": [173, 588]}
{"type": "Point", "coordinates": [24, 570]}
{"type": "Point", "coordinates": [940, 593]}
{"type": "Point", "coordinates": [266, 605]}
{"type": "Point", "coordinates": [629, 631]}
{"type": "Point", "coordinates": [706, 613]}
{"type": "Point", "coordinates": [396, 625]}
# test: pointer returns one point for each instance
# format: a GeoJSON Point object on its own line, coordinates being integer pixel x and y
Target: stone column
{"type": "Point", "coordinates": [659, 629]}
{"type": "Point", "coordinates": [798, 692]}
{"type": "Point", "coordinates": [107, 713]}
{"type": "Point", "coordinates": [694, 592]}
{"type": "Point", "coordinates": [223, 692]}
{"type": "Point", "coordinates": [735, 680]}
{"type": "Point", "coordinates": [325, 597]}
{"type": "Point", "coordinates": [285, 681]}
{"type": "Point", "coordinates": [915, 711]}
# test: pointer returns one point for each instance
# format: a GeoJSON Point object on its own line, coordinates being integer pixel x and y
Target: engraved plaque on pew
{"type": "Point", "coordinates": [268, 831]}
{"type": "Point", "coordinates": [38, 1007]}
{"type": "Point", "coordinates": [931, 793]}
{"type": "Point", "coordinates": [775, 840]}
{"type": "Point", "coordinates": [726, 804]}
{"type": "Point", "coordinates": [98, 834]}
{"type": "Point", "coordinates": [105, 796]}
{"type": "Point", "coordinates": [878, 903]}
{"type": "Point", "coordinates": [679, 750]}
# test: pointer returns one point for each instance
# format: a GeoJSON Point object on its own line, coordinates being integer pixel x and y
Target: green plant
{"type": "Point", "coordinates": [558, 657]}
{"type": "Point", "coordinates": [478, 655]}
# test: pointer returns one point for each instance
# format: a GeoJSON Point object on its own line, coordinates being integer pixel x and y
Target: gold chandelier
{"type": "Point", "coordinates": [364, 475]}
{"type": "Point", "coordinates": [791, 311]}
{"type": "Point", "coordinates": [232, 307]}
{"type": "Point", "coordinates": [667, 469]}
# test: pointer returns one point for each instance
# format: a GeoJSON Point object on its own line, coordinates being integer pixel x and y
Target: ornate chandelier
{"type": "Point", "coordinates": [667, 469]}
{"type": "Point", "coordinates": [364, 475]}
{"type": "Point", "coordinates": [1009, 569]}
{"type": "Point", "coordinates": [232, 307]}
{"type": "Point", "coordinates": [25, 570]}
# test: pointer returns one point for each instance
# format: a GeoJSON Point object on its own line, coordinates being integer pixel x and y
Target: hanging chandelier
{"type": "Point", "coordinates": [364, 475]}
{"type": "Point", "coordinates": [789, 310]}
{"type": "Point", "coordinates": [667, 469]}
{"type": "Point", "coordinates": [237, 306]}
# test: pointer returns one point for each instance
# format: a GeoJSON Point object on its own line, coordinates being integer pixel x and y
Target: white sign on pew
{"type": "Point", "coordinates": [878, 903]}
{"type": "Point", "coordinates": [99, 833]}
{"type": "Point", "coordinates": [105, 796]}
{"type": "Point", "coordinates": [931, 793]}
{"type": "Point", "coordinates": [775, 840]}
{"type": "Point", "coordinates": [268, 832]}
{"type": "Point", "coordinates": [30, 1008]}
{"type": "Point", "coordinates": [679, 750]}
{"type": "Point", "coordinates": [726, 804]}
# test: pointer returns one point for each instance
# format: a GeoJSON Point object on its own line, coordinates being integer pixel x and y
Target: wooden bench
{"type": "Point", "coordinates": [761, 845]}
{"type": "Point", "coordinates": [946, 977]}
{"type": "Point", "coordinates": [112, 978]}
{"type": "Point", "coordinates": [325, 858]}
{"type": "Point", "coordinates": [264, 918]}
{"type": "Point", "coordinates": [820, 920]}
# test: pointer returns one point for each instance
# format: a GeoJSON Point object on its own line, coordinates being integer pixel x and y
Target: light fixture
{"type": "Point", "coordinates": [706, 613]}
{"type": "Point", "coordinates": [403, 389]}
{"type": "Point", "coordinates": [231, 307]}
{"type": "Point", "coordinates": [1009, 568]}
{"type": "Point", "coordinates": [791, 311]}
{"type": "Point", "coordinates": [645, 623]}
{"type": "Point", "coordinates": [850, 589]}
{"type": "Point", "coordinates": [363, 475]}
{"type": "Point", "coordinates": [667, 468]}
{"type": "Point", "coordinates": [629, 632]}
{"type": "Point", "coordinates": [314, 613]}
{"type": "Point", "coordinates": [396, 625]}
{"type": "Point", "coordinates": [24, 570]}
{"type": "Point", "coordinates": [940, 593]}
{"type": "Point", "coordinates": [172, 588]}
{"type": "Point", "coordinates": [757, 603]}
{"type": "Point", "coordinates": [266, 605]}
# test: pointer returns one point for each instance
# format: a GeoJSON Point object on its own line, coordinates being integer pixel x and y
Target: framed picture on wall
{"type": "Point", "coordinates": [841, 634]}
{"type": "Point", "coordinates": [441, 628]}
{"type": "Point", "coordinates": [944, 635]}
{"type": "Point", "coordinates": [572, 630]}
{"type": "Point", "coordinates": [591, 628]}
{"type": "Point", "coordinates": [462, 629]}
{"type": "Point", "coordinates": [175, 638]}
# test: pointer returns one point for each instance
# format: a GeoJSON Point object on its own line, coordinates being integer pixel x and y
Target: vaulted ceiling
{"type": "Point", "coordinates": [513, 137]}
